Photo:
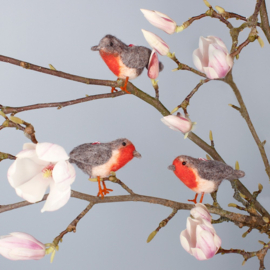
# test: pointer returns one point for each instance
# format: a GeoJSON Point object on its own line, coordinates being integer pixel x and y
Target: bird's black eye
{"type": "Point", "coordinates": [124, 144]}
{"type": "Point", "coordinates": [184, 163]}
{"type": "Point", "coordinates": [111, 44]}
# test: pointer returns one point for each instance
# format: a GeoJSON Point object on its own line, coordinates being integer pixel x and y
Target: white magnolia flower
{"type": "Point", "coordinates": [36, 168]}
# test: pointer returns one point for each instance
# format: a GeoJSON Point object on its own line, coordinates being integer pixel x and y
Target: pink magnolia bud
{"type": "Point", "coordinates": [178, 122]}
{"type": "Point", "coordinates": [212, 57]}
{"type": "Point", "coordinates": [156, 42]}
{"type": "Point", "coordinates": [153, 66]}
{"type": "Point", "coordinates": [200, 238]}
{"type": "Point", "coordinates": [160, 20]}
{"type": "Point", "coordinates": [200, 211]}
{"type": "Point", "coordinates": [21, 246]}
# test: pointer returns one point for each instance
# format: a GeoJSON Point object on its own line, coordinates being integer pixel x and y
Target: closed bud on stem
{"type": "Point", "coordinates": [260, 187]}
{"type": "Point", "coordinates": [151, 236]}
{"type": "Point", "coordinates": [260, 41]}
{"type": "Point", "coordinates": [266, 219]}
{"type": "Point", "coordinates": [16, 120]}
{"type": "Point", "coordinates": [208, 157]}
{"type": "Point", "coordinates": [261, 242]}
{"type": "Point", "coordinates": [232, 205]}
{"type": "Point", "coordinates": [237, 167]}
{"type": "Point", "coordinates": [210, 135]}
{"type": "Point", "coordinates": [3, 114]}
{"type": "Point", "coordinates": [207, 3]}
{"type": "Point", "coordinates": [220, 10]}
{"type": "Point", "coordinates": [52, 67]}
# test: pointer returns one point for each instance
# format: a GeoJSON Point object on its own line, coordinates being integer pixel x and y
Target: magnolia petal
{"type": "Point", "coordinates": [29, 146]}
{"type": "Point", "coordinates": [197, 56]}
{"type": "Point", "coordinates": [210, 73]}
{"type": "Point", "coordinates": [31, 154]}
{"type": "Point", "coordinates": [56, 199]}
{"type": "Point", "coordinates": [191, 230]}
{"type": "Point", "coordinates": [153, 66]}
{"type": "Point", "coordinates": [198, 254]}
{"type": "Point", "coordinates": [63, 174]}
{"type": "Point", "coordinates": [200, 211]}
{"type": "Point", "coordinates": [218, 61]}
{"type": "Point", "coordinates": [26, 254]}
{"type": "Point", "coordinates": [28, 237]}
{"type": "Point", "coordinates": [217, 242]}
{"type": "Point", "coordinates": [156, 42]}
{"type": "Point", "coordinates": [179, 123]}
{"type": "Point", "coordinates": [203, 47]}
{"type": "Point", "coordinates": [51, 152]}
{"type": "Point", "coordinates": [185, 241]}
{"type": "Point", "coordinates": [34, 189]}
{"type": "Point", "coordinates": [205, 241]}
{"type": "Point", "coordinates": [229, 61]}
{"type": "Point", "coordinates": [21, 171]}
{"type": "Point", "coordinates": [219, 42]}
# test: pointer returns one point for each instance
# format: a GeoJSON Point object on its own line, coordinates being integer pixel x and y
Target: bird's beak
{"type": "Point", "coordinates": [95, 48]}
{"type": "Point", "coordinates": [136, 154]}
{"type": "Point", "coordinates": [171, 167]}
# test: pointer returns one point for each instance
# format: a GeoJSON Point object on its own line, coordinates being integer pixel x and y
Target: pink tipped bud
{"type": "Point", "coordinates": [156, 42]}
{"type": "Point", "coordinates": [21, 246]}
{"type": "Point", "coordinates": [200, 211]}
{"type": "Point", "coordinates": [153, 66]}
{"type": "Point", "coordinates": [178, 122]}
{"type": "Point", "coordinates": [160, 20]}
{"type": "Point", "coordinates": [212, 57]}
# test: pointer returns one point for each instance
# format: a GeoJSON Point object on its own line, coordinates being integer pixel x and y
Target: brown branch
{"type": "Point", "coordinates": [239, 17]}
{"type": "Point", "coordinates": [59, 105]}
{"type": "Point", "coordinates": [6, 156]}
{"type": "Point", "coordinates": [229, 80]}
{"type": "Point", "coordinates": [56, 72]}
{"type": "Point", "coordinates": [247, 255]}
{"type": "Point", "coordinates": [73, 225]}
{"type": "Point", "coordinates": [240, 47]}
{"type": "Point", "coordinates": [265, 22]}
{"type": "Point", "coordinates": [185, 102]}
{"type": "Point", "coordinates": [182, 66]}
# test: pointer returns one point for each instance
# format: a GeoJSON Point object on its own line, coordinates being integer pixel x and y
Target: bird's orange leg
{"type": "Point", "coordinates": [105, 190]}
{"type": "Point", "coordinates": [100, 191]}
{"type": "Point", "coordinates": [202, 197]}
{"type": "Point", "coordinates": [113, 90]}
{"type": "Point", "coordinates": [124, 88]}
{"type": "Point", "coordinates": [195, 199]}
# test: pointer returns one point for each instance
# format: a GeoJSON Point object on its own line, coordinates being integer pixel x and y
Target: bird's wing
{"type": "Point", "coordinates": [92, 154]}
{"type": "Point", "coordinates": [136, 57]}
{"type": "Point", "coordinates": [214, 170]}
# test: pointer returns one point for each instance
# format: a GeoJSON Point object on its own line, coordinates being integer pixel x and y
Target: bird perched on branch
{"type": "Point", "coordinates": [98, 160]}
{"type": "Point", "coordinates": [203, 176]}
{"type": "Point", "coordinates": [125, 61]}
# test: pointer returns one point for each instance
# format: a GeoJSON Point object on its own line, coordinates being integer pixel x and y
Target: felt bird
{"type": "Point", "coordinates": [98, 160]}
{"type": "Point", "coordinates": [125, 61]}
{"type": "Point", "coordinates": [203, 176]}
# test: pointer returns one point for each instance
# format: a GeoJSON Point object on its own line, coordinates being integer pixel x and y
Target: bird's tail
{"type": "Point", "coordinates": [236, 174]}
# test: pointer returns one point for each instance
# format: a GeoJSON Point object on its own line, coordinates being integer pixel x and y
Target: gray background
{"type": "Point", "coordinates": [114, 235]}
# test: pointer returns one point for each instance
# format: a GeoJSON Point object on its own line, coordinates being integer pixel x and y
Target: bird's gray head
{"type": "Point", "coordinates": [110, 44]}
{"type": "Point", "coordinates": [186, 161]}
{"type": "Point", "coordinates": [125, 146]}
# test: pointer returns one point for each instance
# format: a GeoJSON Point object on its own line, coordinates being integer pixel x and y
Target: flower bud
{"type": "Point", "coordinates": [156, 42]}
{"type": "Point", "coordinates": [21, 246]}
{"type": "Point", "coordinates": [160, 20]}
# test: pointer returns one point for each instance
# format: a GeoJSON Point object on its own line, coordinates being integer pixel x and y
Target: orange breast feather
{"type": "Point", "coordinates": [112, 61]}
{"type": "Point", "coordinates": [185, 174]}
{"type": "Point", "coordinates": [125, 155]}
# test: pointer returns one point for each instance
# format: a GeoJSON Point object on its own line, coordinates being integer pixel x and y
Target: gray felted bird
{"type": "Point", "coordinates": [98, 160]}
{"type": "Point", "coordinates": [203, 176]}
{"type": "Point", "coordinates": [125, 61]}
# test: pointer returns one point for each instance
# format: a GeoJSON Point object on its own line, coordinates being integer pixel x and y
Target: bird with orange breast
{"type": "Point", "coordinates": [125, 61]}
{"type": "Point", "coordinates": [203, 176]}
{"type": "Point", "coordinates": [98, 160]}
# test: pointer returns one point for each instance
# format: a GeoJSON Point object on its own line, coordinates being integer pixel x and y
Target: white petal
{"type": "Point", "coordinates": [217, 241]}
{"type": "Point", "coordinates": [31, 154]}
{"type": "Point", "coordinates": [205, 241]}
{"type": "Point", "coordinates": [51, 152]}
{"type": "Point", "coordinates": [34, 189]}
{"type": "Point", "coordinates": [185, 241]}
{"type": "Point", "coordinates": [198, 254]}
{"type": "Point", "coordinates": [197, 59]}
{"type": "Point", "coordinates": [191, 229]}
{"type": "Point", "coordinates": [219, 42]}
{"type": "Point", "coordinates": [56, 199]}
{"type": "Point", "coordinates": [210, 73]}
{"type": "Point", "coordinates": [200, 211]}
{"type": "Point", "coordinates": [26, 254]}
{"type": "Point", "coordinates": [22, 170]}
{"type": "Point", "coordinates": [29, 146]}
{"type": "Point", "coordinates": [63, 174]}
